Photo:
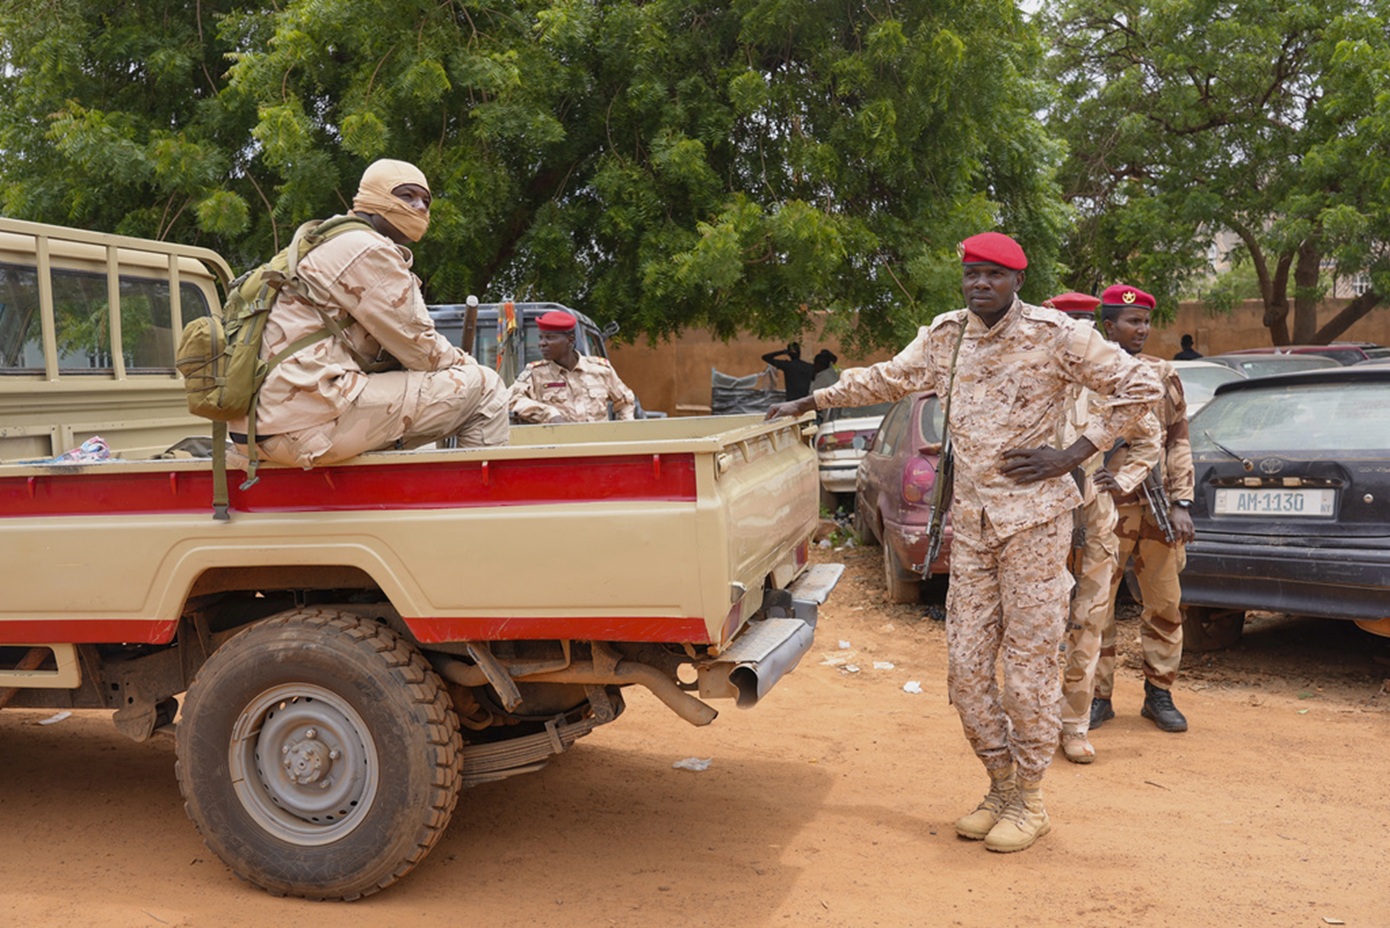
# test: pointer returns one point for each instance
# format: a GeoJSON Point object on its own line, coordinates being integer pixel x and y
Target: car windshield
{"type": "Point", "coordinates": [1324, 418]}
{"type": "Point", "coordinates": [1199, 383]}
{"type": "Point", "coordinates": [858, 412]}
{"type": "Point", "coordinates": [1283, 363]}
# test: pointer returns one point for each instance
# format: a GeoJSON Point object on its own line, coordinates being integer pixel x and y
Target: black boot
{"type": "Point", "coordinates": [1158, 707]}
{"type": "Point", "coordinates": [1100, 711]}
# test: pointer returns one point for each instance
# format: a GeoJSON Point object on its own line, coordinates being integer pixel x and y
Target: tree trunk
{"type": "Point", "coordinates": [1305, 292]}
{"type": "Point", "coordinates": [1276, 297]}
{"type": "Point", "coordinates": [1350, 313]}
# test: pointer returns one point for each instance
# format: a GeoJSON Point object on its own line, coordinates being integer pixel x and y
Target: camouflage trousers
{"type": "Point", "coordinates": [405, 409]}
{"type": "Point", "coordinates": [1007, 604]}
{"type": "Point", "coordinates": [1156, 567]}
{"type": "Point", "coordinates": [1090, 610]}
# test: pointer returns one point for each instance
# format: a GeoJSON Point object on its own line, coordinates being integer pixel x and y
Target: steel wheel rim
{"type": "Point", "coordinates": [303, 764]}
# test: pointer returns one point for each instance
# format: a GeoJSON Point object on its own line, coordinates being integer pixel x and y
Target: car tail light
{"type": "Point", "coordinates": [834, 441]}
{"type": "Point", "coordinates": [919, 476]}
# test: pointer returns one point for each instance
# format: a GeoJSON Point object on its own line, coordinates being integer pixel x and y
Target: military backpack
{"type": "Point", "coordinates": [219, 355]}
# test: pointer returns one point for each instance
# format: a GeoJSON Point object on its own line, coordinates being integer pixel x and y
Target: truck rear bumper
{"type": "Point", "coordinates": [769, 648]}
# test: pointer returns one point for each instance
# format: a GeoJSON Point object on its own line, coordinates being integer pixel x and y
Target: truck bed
{"type": "Point", "coordinates": [655, 530]}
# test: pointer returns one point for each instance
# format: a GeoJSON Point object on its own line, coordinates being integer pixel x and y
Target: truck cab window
{"type": "Point", "coordinates": [82, 321]}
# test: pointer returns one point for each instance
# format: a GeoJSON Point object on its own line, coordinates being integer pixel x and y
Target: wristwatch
{"type": "Point", "coordinates": [1183, 503]}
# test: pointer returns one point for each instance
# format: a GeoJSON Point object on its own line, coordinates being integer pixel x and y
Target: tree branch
{"type": "Point", "coordinates": [1351, 313]}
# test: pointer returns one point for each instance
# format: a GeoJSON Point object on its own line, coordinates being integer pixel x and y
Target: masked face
{"type": "Point", "coordinates": [397, 192]}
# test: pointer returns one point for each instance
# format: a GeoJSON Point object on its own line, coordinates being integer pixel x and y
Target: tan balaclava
{"type": "Point", "coordinates": [375, 196]}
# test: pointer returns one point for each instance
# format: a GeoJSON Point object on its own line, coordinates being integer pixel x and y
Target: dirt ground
{"type": "Point", "coordinates": [829, 804]}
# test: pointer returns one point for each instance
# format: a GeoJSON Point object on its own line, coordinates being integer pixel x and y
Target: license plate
{"type": "Point", "coordinates": [1275, 503]}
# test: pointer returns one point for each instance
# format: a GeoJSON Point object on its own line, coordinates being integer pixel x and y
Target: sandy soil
{"type": "Point", "coordinates": [829, 804]}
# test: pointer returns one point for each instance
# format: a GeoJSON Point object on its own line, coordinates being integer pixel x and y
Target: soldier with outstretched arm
{"type": "Point", "coordinates": [1004, 369]}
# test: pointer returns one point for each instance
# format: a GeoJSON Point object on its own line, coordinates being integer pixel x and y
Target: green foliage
{"type": "Point", "coordinates": [667, 164]}
{"type": "Point", "coordinates": [1191, 124]}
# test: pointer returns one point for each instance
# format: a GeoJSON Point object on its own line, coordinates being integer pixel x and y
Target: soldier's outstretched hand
{"type": "Point", "coordinates": [791, 408]}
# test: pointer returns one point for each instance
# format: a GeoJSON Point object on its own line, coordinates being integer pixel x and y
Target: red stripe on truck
{"type": "Point", "coordinates": [428, 631]}
{"type": "Point", "coordinates": [405, 485]}
{"type": "Point", "coordinates": [600, 628]}
{"type": "Point", "coordinates": [87, 631]}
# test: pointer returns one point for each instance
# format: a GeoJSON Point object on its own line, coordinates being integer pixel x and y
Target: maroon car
{"type": "Point", "coordinates": [893, 493]}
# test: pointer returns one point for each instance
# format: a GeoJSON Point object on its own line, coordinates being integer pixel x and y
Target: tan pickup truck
{"type": "Point", "coordinates": [358, 642]}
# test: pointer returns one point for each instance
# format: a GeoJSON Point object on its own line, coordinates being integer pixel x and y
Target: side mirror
{"type": "Point", "coordinates": [610, 330]}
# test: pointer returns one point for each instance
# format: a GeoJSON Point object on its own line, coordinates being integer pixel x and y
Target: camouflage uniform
{"type": "Point", "coordinates": [1009, 582]}
{"type": "Point", "coordinates": [1095, 570]}
{"type": "Point", "coordinates": [1156, 563]}
{"type": "Point", "coordinates": [546, 389]}
{"type": "Point", "coordinates": [319, 406]}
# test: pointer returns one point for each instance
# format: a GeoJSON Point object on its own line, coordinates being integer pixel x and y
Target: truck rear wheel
{"type": "Point", "coordinates": [319, 755]}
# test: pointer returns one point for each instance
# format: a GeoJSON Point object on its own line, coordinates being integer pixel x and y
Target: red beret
{"type": "Point", "coordinates": [1126, 296]}
{"type": "Point", "coordinates": [1074, 302]}
{"type": "Point", "coordinates": [993, 248]}
{"type": "Point", "coordinates": [555, 321]}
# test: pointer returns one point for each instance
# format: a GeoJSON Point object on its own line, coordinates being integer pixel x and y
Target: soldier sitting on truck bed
{"type": "Point", "coordinates": [319, 406]}
{"type": "Point", "coordinates": [566, 386]}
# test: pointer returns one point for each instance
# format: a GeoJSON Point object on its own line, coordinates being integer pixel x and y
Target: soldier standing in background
{"type": "Point", "coordinates": [1004, 369]}
{"type": "Point", "coordinates": [1157, 560]}
{"type": "Point", "coordinates": [565, 386]}
{"type": "Point", "coordinates": [1094, 548]}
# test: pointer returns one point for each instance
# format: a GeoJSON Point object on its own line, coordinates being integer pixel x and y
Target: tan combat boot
{"type": "Point", "coordinates": [1002, 790]}
{"type": "Point", "coordinates": [1023, 822]}
{"type": "Point", "coordinates": [1076, 747]}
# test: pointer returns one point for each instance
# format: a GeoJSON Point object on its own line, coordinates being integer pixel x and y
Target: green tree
{"type": "Point", "coordinates": [111, 118]}
{"type": "Point", "coordinates": [666, 164]}
{"type": "Point", "coordinates": [1189, 119]}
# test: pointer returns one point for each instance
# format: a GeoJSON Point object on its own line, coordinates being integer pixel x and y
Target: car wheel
{"type": "Point", "coordinates": [1208, 629]}
{"type": "Point", "coordinates": [903, 585]}
{"type": "Point", "coordinates": [864, 525]}
{"type": "Point", "coordinates": [319, 755]}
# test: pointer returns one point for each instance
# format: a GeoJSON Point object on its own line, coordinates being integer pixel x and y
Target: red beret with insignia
{"type": "Point", "coordinates": [1125, 296]}
{"type": "Point", "coordinates": [1074, 302]}
{"type": "Point", "coordinates": [555, 321]}
{"type": "Point", "coordinates": [993, 248]}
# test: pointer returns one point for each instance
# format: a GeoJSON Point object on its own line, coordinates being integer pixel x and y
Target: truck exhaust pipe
{"type": "Point", "coordinates": [766, 652]}
{"type": "Point", "coordinates": [770, 648]}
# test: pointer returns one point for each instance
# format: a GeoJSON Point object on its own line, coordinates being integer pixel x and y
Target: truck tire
{"type": "Point", "coordinates": [1208, 629]}
{"type": "Point", "coordinates": [319, 755]}
{"type": "Point", "coordinates": [903, 585]}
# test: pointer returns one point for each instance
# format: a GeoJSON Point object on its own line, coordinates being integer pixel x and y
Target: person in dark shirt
{"type": "Point", "coordinates": [798, 373]}
{"type": "Point", "coordinates": [1188, 353]}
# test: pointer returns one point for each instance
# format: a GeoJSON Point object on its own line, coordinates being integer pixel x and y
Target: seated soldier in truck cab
{"type": "Point", "coordinates": [566, 386]}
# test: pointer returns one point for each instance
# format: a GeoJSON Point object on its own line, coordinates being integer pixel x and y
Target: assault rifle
{"type": "Point", "coordinates": [942, 492]}
{"type": "Point", "coordinates": [1152, 488]}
